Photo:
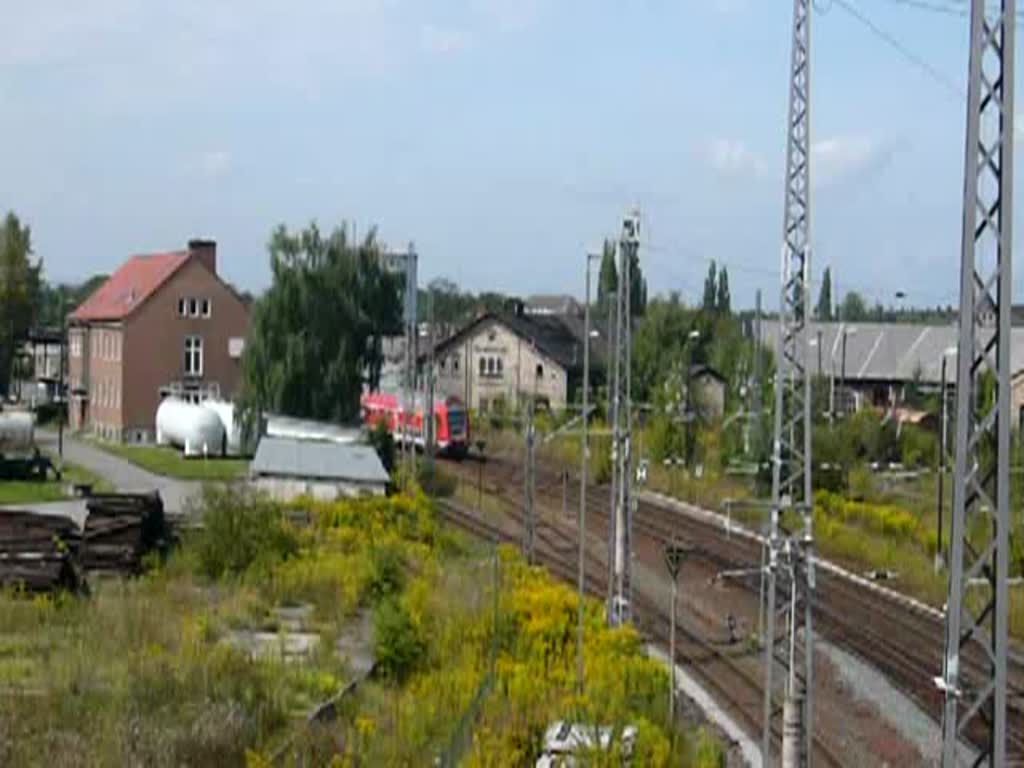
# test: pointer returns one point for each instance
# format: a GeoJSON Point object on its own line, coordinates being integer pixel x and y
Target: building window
{"type": "Point", "coordinates": [455, 363]}
{"type": "Point", "coordinates": [182, 308]}
{"type": "Point", "coordinates": [500, 365]}
{"type": "Point", "coordinates": [193, 307]}
{"type": "Point", "coordinates": [443, 364]}
{"type": "Point", "coordinates": [193, 356]}
{"type": "Point", "coordinates": [206, 307]}
{"type": "Point", "coordinates": [540, 371]}
{"type": "Point", "coordinates": [483, 366]}
{"type": "Point", "coordinates": [490, 366]}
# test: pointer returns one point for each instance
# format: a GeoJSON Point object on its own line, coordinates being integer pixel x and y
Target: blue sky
{"type": "Point", "coordinates": [502, 136]}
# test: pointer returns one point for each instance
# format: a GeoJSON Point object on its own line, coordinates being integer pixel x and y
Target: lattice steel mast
{"type": "Point", "coordinates": [790, 550]}
{"type": "Point", "coordinates": [620, 605]}
{"type": "Point", "coordinates": [981, 490]}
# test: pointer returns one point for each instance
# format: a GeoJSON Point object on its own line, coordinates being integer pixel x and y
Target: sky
{"type": "Point", "coordinates": [504, 137]}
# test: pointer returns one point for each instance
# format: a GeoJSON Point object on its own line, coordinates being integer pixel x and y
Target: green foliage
{"type": "Point", "coordinates": [723, 298]}
{"type": "Point", "coordinates": [919, 448]}
{"type": "Point", "coordinates": [853, 308]}
{"type": "Point", "coordinates": [322, 320]}
{"type": "Point", "coordinates": [242, 531]}
{"type": "Point", "coordinates": [383, 443]}
{"type": "Point", "coordinates": [823, 309]}
{"type": "Point", "coordinates": [397, 643]}
{"type": "Point", "coordinates": [608, 279]}
{"type": "Point", "coordinates": [19, 292]}
{"type": "Point", "coordinates": [709, 301]}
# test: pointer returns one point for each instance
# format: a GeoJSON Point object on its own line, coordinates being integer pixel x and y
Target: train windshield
{"type": "Point", "coordinates": [456, 422]}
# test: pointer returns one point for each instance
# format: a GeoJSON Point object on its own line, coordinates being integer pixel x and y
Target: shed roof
{"type": "Point", "coordinates": [312, 459]}
{"type": "Point", "coordinates": [126, 290]}
{"type": "Point", "coordinates": [888, 351]}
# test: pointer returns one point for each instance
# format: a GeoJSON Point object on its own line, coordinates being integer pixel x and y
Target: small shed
{"type": "Point", "coordinates": [286, 468]}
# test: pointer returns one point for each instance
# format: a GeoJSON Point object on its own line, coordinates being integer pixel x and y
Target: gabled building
{"type": "Point", "coordinates": [164, 323]}
{"type": "Point", "coordinates": [506, 360]}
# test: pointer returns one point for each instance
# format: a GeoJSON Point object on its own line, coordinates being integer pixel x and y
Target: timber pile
{"type": "Point", "coordinates": [39, 552]}
{"type": "Point", "coordinates": [121, 529]}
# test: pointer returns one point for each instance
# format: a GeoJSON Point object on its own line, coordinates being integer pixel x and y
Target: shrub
{"type": "Point", "coordinates": [861, 484]}
{"type": "Point", "coordinates": [241, 530]}
{"type": "Point", "coordinates": [397, 642]}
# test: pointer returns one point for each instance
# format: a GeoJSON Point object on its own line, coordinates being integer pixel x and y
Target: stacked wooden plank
{"type": "Point", "coordinates": [39, 552]}
{"type": "Point", "coordinates": [121, 530]}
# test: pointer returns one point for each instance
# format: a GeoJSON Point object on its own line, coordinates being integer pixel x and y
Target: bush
{"type": "Point", "coordinates": [383, 443]}
{"type": "Point", "coordinates": [918, 447]}
{"type": "Point", "coordinates": [241, 531]}
{"type": "Point", "coordinates": [397, 642]}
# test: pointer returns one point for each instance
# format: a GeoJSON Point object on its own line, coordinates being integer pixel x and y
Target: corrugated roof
{"type": "Point", "coordinates": [888, 351]}
{"type": "Point", "coordinates": [126, 289]}
{"type": "Point", "coordinates": [312, 459]}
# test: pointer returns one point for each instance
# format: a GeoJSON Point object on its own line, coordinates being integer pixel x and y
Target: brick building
{"type": "Point", "coordinates": [164, 323]}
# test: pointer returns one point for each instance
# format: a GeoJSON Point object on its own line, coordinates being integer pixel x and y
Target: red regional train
{"type": "Point", "coordinates": [451, 426]}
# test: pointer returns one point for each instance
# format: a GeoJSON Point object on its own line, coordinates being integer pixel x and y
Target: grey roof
{"type": "Point", "coordinates": [311, 459]}
{"type": "Point", "coordinates": [552, 304]}
{"type": "Point", "coordinates": [279, 425]}
{"type": "Point", "coordinates": [888, 351]}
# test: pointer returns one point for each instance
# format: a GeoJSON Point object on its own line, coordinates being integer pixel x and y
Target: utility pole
{"type": "Point", "coordinates": [941, 505]}
{"type": "Point", "coordinates": [629, 243]}
{"type": "Point", "coordinates": [674, 554]}
{"type": "Point", "coordinates": [791, 550]}
{"type": "Point", "coordinates": [407, 408]}
{"type": "Point", "coordinates": [613, 406]}
{"type": "Point", "coordinates": [756, 405]}
{"type": "Point", "coordinates": [581, 523]}
{"type": "Point", "coordinates": [529, 518]}
{"type": "Point", "coordinates": [428, 411]}
{"type": "Point", "coordinates": [981, 469]}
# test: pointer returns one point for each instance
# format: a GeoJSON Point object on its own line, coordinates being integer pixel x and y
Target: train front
{"type": "Point", "coordinates": [453, 435]}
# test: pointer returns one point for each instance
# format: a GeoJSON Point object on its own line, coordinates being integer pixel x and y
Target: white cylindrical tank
{"type": "Point", "coordinates": [193, 428]}
{"type": "Point", "coordinates": [225, 411]}
{"type": "Point", "coordinates": [17, 432]}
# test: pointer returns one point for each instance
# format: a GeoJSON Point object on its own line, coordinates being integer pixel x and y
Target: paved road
{"type": "Point", "coordinates": [123, 475]}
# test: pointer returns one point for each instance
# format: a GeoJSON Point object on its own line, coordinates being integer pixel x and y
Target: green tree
{"type": "Point", "coordinates": [317, 332]}
{"type": "Point", "coordinates": [710, 289]}
{"type": "Point", "coordinates": [608, 280]}
{"type": "Point", "coordinates": [723, 302]}
{"type": "Point", "coordinates": [823, 310]}
{"type": "Point", "coordinates": [20, 286]}
{"type": "Point", "coordinates": [637, 287]}
{"type": "Point", "coordinates": [854, 308]}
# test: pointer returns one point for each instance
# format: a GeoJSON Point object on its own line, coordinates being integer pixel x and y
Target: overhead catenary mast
{"type": "Point", "coordinates": [979, 541]}
{"type": "Point", "coordinates": [790, 570]}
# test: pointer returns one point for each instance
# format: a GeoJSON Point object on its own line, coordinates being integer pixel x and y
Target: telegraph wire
{"type": "Point", "coordinates": [921, 64]}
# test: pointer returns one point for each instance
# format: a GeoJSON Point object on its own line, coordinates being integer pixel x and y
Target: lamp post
{"type": "Point", "coordinates": [674, 554]}
{"type": "Point", "coordinates": [939, 558]}
{"type": "Point", "coordinates": [581, 523]}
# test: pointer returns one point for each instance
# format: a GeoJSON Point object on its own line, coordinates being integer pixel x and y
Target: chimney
{"type": "Point", "coordinates": [205, 251]}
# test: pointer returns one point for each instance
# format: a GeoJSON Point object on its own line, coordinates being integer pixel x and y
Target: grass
{"type": "Point", "coordinates": [140, 673]}
{"type": "Point", "coordinates": [18, 492]}
{"type": "Point", "coordinates": [170, 462]}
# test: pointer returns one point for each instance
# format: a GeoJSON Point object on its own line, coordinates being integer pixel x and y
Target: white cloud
{"type": "Point", "coordinates": [840, 158]}
{"type": "Point", "coordinates": [733, 157]}
{"type": "Point", "coordinates": [442, 40]}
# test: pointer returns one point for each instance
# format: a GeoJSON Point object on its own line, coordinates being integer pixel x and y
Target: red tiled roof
{"type": "Point", "coordinates": [126, 289]}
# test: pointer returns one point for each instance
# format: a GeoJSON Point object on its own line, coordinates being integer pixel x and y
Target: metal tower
{"type": "Point", "coordinates": [979, 545]}
{"type": "Point", "coordinates": [790, 533]}
{"type": "Point", "coordinates": [622, 415]}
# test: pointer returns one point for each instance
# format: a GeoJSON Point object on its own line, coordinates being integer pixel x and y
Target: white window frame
{"type": "Point", "coordinates": [193, 356]}
{"type": "Point", "coordinates": [182, 307]}
{"type": "Point", "coordinates": [207, 307]}
{"type": "Point", "coordinates": [193, 307]}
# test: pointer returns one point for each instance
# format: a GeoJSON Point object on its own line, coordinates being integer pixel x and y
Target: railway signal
{"type": "Point", "coordinates": [790, 548]}
{"type": "Point", "coordinates": [981, 471]}
{"type": "Point", "coordinates": [675, 553]}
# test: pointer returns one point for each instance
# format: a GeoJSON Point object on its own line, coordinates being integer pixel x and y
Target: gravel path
{"type": "Point", "coordinates": [123, 475]}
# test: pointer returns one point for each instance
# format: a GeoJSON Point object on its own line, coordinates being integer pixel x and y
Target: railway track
{"type": "Point", "coordinates": [737, 689]}
{"type": "Point", "coordinates": [905, 644]}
